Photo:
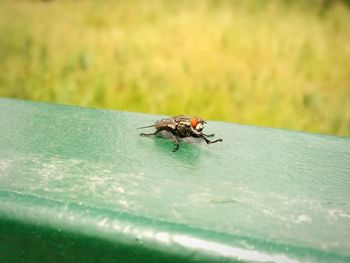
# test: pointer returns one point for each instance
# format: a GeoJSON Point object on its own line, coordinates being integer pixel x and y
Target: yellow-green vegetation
{"type": "Point", "coordinates": [273, 63]}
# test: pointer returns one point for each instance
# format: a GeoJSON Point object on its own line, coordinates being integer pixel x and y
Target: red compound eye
{"type": "Point", "coordinates": [194, 122]}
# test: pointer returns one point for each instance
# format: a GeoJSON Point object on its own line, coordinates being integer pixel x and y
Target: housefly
{"type": "Point", "coordinates": [181, 127]}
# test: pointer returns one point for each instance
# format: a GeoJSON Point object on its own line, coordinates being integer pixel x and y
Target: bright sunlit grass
{"type": "Point", "coordinates": [253, 62]}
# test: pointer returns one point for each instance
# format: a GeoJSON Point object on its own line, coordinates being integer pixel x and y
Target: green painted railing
{"type": "Point", "coordinates": [81, 185]}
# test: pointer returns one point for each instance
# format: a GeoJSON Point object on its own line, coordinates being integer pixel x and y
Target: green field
{"type": "Point", "coordinates": [272, 63]}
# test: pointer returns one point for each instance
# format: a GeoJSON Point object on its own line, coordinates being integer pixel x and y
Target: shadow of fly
{"type": "Point", "coordinates": [181, 127]}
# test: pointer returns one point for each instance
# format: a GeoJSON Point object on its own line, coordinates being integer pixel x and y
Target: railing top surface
{"type": "Point", "coordinates": [262, 190]}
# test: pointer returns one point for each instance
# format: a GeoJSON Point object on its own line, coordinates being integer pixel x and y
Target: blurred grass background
{"type": "Point", "coordinates": [274, 63]}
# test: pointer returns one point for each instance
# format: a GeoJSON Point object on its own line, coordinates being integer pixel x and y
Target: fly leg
{"type": "Point", "coordinates": [210, 142]}
{"type": "Point", "coordinates": [208, 135]}
{"type": "Point", "coordinates": [176, 141]}
{"type": "Point", "coordinates": [150, 134]}
{"type": "Point", "coordinates": [203, 136]}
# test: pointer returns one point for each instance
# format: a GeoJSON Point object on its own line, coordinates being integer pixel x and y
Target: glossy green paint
{"type": "Point", "coordinates": [80, 184]}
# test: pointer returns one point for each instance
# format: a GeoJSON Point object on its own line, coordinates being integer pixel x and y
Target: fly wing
{"type": "Point", "coordinates": [144, 127]}
{"type": "Point", "coordinates": [166, 123]}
